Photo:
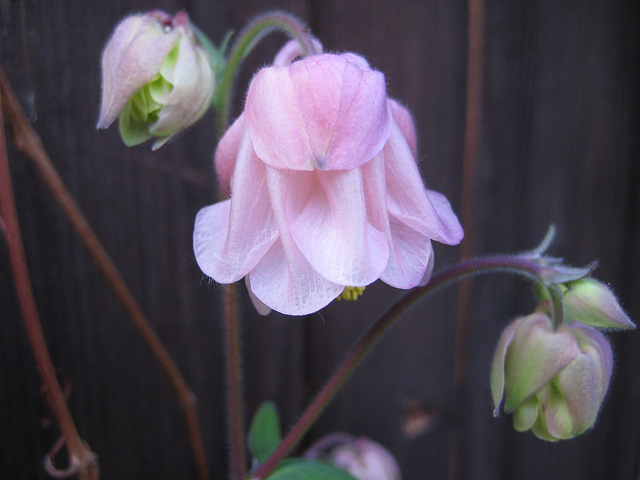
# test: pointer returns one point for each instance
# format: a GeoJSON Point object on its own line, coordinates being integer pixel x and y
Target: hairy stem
{"type": "Point", "coordinates": [249, 38]}
{"type": "Point", "coordinates": [28, 141]}
{"type": "Point", "coordinates": [235, 404]}
{"type": "Point", "coordinates": [505, 263]}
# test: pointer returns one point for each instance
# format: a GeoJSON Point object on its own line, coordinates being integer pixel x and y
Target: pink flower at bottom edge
{"type": "Point", "coordinates": [325, 190]}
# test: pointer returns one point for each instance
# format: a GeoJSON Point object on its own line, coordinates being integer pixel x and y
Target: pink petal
{"type": "Point", "coordinates": [260, 307]}
{"type": "Point", "coordinates": [410, 252]}
{"type": "Point", "coordinates": [230, 237]}
{"type": "Point", "coordinates": [323, 112]}
{"type": "Point", "coordinates": [412, 257]}
{"type": "Point", "coordinates": [403, 118]}
{"type": "Point", "coordinates": [426, 211]}
{"type": "Point", "coordinates": [332, 231]}
{"type": "Point", "coordinates": [429, 270]}
{"type": "Point", "coordinates": [226, 153]}
{"type": "Point", "coordinates": [284, 280]}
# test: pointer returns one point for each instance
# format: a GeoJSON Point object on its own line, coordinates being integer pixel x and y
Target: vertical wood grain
{"type": "Point", "coordinates": [559, 144]}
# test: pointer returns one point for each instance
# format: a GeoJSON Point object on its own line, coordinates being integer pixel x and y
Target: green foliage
{"type": "Point", "coordinates": [264, 433]}
{"type": "Point", "coordinates": [303, 469]}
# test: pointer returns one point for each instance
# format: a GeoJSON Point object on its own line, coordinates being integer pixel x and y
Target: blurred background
{"type": "Point", "coordinates": [558, 144]}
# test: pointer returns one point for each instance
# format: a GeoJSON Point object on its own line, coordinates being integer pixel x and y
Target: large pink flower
{"type": "Point", "coordinates": [325, 191]}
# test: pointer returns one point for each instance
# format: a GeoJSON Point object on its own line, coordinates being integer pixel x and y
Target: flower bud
{"type": "Point", "coordinates": [365, 460]}
{"type": "Point", "coordinates": [156, 77]}
{"type": "Point", "coordinates": [552, 380]}
{"type": "Point", "coordinates": [593, 303]}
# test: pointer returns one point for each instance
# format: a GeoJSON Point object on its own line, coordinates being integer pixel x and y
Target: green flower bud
{"type": "Point", "coordinates": [593, 303]}
{"type": "Point", "coordinates": [553, 381]}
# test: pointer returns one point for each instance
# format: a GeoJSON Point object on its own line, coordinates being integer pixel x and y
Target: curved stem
{"type": "Point", "coordinates": [248, 39]}
{"type": "Point", "coordinates": [81, 459]}
{"type": "Point", "coordinates": [28, 141]}
{"type": "Point", "coordinates": [504, 263]}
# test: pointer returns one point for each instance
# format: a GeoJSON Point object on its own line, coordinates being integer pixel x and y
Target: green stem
{"type": "Point", "coordinates": [504, 263]}
{"type": "Point", "coordinates": [556, 305]}
{"type": "Point", "coordinates": [249, 38]}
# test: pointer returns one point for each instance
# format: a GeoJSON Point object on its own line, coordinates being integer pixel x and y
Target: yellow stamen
{"type": "Point", "coordinates": [350, 293]}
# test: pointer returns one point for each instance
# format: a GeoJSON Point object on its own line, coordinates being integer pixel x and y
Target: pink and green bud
{"type": "Point", "coordinates": [156, 77]}
{"type": "Point", "coordinates": [553, 381]}
{"type": "Point", "coordinates": [365, 460]}
{"type": "Point", "coordinates": [593, 303]}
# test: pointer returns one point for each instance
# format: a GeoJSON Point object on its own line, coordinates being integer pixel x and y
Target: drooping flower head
{"type": "Point", "coordinates": [155, 77]}
{"type": "Point", "coordinates": [325, 191]}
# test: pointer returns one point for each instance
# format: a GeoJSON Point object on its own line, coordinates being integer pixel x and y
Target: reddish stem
{"type": "Point", "coordinates": [81, 459]}
{"type": "Point", "coordinates": [30, 144]}
{"type": "Point", "coordinates": [503, 263]}
{"type": "Point", "coordinates": [233, 353]}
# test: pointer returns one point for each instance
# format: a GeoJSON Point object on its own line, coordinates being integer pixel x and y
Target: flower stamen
{"type": "Point", "coordinates": [350, 293]}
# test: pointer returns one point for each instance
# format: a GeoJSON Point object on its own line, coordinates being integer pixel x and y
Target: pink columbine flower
{"type": "Point", "coordinates": [324, 189]}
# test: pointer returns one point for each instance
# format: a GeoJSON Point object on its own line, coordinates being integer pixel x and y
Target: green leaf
{"type": "Point", "coordinates": [303, 469]}
{"type": "Point", "coordinates": [264, 433]}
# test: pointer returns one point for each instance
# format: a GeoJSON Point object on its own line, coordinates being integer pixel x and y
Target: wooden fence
{"type": "Point", "coordinates": [559, 144]}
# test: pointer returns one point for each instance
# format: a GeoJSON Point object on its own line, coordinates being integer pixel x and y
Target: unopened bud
{"type": "Point", "coordinates": [156, 77]}
{"type": "Point", "coordinates": [553, 381]}
{"type": "Point", "coordinates": [593, 303]}
{"type": "Point", "coordinates": [366, 460]}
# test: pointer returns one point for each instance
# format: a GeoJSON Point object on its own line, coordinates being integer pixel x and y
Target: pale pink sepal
{"type": "Point", "coordinates": [410, 251]}
{"type": "Point", "coordinates": [403, 118]}
{"type": "Point", "coordinates": [226, 153]}
{"type": "Point", "coordinates": [193, 88]}
{"type": "Point", "coordinates": [284, 281]}
{"type": "Point", "coordinates": [260, 307]}
{"type": "Point", "coordinates": [323, 113]}
{"type": "Point", "coordinates": [133, 55]}
{"type": "Point", "coordinates": [231, 237]}
{"type": "Point", "coordinates": [425, 211]}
